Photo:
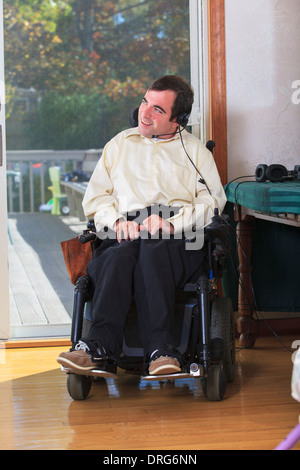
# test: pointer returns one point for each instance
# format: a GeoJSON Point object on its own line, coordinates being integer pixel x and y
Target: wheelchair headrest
{"type": "Point", "coordinates": [133, 118]}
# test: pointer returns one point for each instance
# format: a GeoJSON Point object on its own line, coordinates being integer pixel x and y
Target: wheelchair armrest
{"type": "Point", "coordinates": [89, 234]}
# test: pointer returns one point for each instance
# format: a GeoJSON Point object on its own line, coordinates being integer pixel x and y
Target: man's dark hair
{"type": "Point", "coordinates": [185, 94]}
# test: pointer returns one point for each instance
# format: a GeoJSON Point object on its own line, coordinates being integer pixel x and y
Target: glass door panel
{"type": "Point", "coordinates": [74, 71]}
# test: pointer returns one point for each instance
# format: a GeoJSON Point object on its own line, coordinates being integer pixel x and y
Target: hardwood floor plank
{"type": "Point", "coordinates": [256, 413]}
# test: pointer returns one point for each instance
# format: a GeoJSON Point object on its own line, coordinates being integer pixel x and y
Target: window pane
{"type": "Point", "coordinates": [75, 70]}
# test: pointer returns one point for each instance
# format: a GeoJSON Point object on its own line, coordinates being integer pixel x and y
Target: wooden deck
{"type": "Point", "coordinates": [41, 294]}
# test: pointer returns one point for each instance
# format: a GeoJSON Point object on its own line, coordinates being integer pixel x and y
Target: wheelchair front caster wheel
{"type": "Point", "coordinates": [215, 384]}
{"type": "Point", "coordinates": [79, 386]}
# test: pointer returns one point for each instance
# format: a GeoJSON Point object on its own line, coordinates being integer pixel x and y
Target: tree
{"type": "Point", "coordinates": [87, 47]}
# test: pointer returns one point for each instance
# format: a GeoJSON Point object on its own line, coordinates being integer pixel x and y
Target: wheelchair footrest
{"type": "Point", "coordinates": [179, 375]}
{"type": "Point", "coordinates": [91, 373]}
{"type": "Point", "coordinates": [196, 371]}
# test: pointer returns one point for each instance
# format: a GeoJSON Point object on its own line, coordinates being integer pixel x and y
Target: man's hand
{"type": "Point", "coordinates": [154, 223]}
{"type": "Point", "coordinates": [126, 230]}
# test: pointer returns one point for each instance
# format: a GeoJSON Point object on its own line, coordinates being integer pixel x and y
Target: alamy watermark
{"type": "Point", "coordinates": [193, 236]}
{"type": "Point", "coordinates": [296, 354]}
{"type": "Point", "coordinates": [296, 94]}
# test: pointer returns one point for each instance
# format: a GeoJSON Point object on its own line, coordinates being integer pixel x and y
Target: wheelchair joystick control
{"type": "Point", "coordinates": [87, 237]}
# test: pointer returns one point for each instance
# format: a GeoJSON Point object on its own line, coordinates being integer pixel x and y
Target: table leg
{"type": "Point", "coordinates": [245, 294]}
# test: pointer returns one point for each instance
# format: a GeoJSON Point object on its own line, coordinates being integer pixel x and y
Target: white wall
{"type": "Point", "coordinates": [263, 61]}
{"type": "Point", "coordinates": [4, 283]}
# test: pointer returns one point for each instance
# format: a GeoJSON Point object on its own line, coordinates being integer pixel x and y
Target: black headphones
{"type": "Point", "coordinates": [276, 173]}
{"type": "Point", "coordinates": [182, 118]}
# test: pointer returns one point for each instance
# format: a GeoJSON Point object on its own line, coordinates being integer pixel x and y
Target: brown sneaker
{"type": "Point", "coordinates": [164, 365]}
{"type": "Point", "coordinates": [80, 358]}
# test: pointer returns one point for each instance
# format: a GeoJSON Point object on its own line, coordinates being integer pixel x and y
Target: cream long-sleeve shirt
{"type": "Point", "coordinates": [135, 172]}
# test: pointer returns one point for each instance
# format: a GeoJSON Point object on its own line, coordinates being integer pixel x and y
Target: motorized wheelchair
{"type": "Point", "coordinates": [204, 325]}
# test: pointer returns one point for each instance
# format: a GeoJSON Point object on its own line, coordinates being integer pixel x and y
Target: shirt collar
{"type": "Point", "coordinates": [135, 131]}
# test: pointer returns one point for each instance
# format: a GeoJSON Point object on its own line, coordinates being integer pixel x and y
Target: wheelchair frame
{"type": "Point", "coordinates": [209, 336]}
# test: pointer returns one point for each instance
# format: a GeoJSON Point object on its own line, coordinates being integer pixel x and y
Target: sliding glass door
{"type": "Point", "coordinates": [74, 71]}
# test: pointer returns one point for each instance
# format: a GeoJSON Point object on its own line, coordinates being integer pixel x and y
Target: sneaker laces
{"type": "Point", "coordinates": [81, 345]}
{"type": "Point", "coordinates": [96, 353]}
{"type": "Point", "coordinates": [165, 351]}
{"type": "Point", "coordinates": [153, 354]}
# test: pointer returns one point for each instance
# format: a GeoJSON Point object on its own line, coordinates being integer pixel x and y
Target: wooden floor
{"type": "Point", "coordinates": [37, 412]}
{"type": "Point", "coordinates": [41, 294]}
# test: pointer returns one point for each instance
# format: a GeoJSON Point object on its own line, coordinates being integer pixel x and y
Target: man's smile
{"type": "Point", "coordinates": [146, 123]}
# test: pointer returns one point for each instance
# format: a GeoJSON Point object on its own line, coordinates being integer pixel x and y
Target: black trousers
{"type": "Point", "coordinates": [151, 270]}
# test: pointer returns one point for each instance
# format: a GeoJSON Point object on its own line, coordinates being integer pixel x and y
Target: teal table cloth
{"type": "Point", "coordinates": [268, 197]}
{"type": "Point", "coordinates": [275, 246]}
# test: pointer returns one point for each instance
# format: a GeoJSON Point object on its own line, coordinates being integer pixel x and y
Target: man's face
{"type": "Point", "coordinates": [155, 114]}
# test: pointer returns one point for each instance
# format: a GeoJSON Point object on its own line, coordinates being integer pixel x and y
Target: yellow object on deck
{"type": "Point", "coordinates": [54, 172]}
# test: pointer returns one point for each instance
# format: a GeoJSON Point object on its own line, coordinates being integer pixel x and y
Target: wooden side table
{"type": "Point", "coordinates": [280, 203]}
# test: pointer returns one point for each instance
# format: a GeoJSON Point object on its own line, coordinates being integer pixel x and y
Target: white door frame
{"type": "Point", "coordinates": [4, 278]}
{"type": "Point", "coordinates": [199, 119]}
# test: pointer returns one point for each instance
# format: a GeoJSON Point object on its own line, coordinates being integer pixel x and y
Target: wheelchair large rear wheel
{"type": "Point", "coordinates": [79, 386]}
{"type": "Point", "coordinates": [222, 326]}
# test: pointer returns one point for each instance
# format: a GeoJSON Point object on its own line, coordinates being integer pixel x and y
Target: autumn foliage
{"type": "Point", "coordinates": [90, 48]}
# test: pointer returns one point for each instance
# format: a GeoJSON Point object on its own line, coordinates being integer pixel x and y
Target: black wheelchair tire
{"type": "Point", "coordinates": [215, 384]}
{"type": "Point", "coordinates": [222, 326]}
{"type": "Point", "coordinates": [78, 386]}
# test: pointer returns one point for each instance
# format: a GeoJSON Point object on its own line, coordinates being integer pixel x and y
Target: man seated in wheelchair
{"type": "Point", "coordinates": [156, 163]}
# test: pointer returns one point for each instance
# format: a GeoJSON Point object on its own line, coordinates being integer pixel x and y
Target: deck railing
{"type": "Point", "coordinates": [28, 178]}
